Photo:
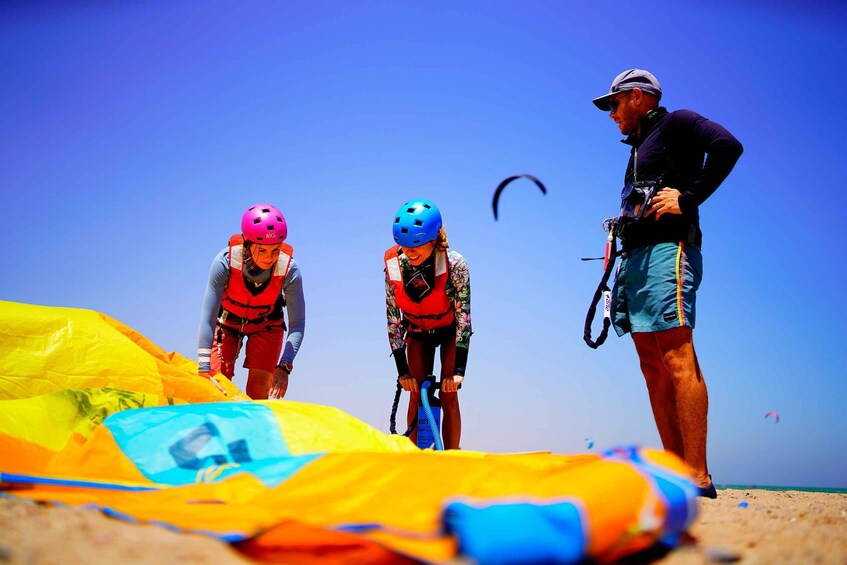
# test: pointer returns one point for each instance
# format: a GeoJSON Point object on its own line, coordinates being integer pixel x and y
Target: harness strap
{"type": "Point", "coordinates": [428, 316]}
{"type": "Point", "coordinates": [230, 320]}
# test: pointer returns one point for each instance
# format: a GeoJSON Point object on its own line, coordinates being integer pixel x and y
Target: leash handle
{"type": "Point", "coordinates": [607, 254]}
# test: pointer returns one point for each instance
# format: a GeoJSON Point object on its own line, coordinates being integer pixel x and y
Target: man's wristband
{"type": "Point", "coordinates": [285, 366]}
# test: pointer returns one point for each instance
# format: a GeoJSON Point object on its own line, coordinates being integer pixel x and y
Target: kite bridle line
{"type": "Point", "coordinates": [610, 225]}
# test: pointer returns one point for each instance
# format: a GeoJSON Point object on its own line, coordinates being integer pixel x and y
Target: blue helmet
{"type": "Point", "coordinates": [417, 222]}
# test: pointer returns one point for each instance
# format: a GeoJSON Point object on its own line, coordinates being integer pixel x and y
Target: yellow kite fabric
{"type": "Point", "coordinates": [93, 413]}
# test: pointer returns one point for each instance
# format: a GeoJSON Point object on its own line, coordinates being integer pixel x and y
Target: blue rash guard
{"type": "Point", "coordinates": [292, 288]}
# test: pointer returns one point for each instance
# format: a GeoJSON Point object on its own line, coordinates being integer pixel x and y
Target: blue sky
{"type": "Point", "coordinates": [135, 134]}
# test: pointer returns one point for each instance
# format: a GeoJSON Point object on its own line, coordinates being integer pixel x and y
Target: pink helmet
{"type": "Point", "coordinates": [264, 224]}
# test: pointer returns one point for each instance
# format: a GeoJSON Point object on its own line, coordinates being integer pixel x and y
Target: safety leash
{"type": "Point", "coordinates": [392, 423]}
{"type": "Point", "coordinates": [635, 201]}
{"type": "Point", "coordinates": [603, 291]}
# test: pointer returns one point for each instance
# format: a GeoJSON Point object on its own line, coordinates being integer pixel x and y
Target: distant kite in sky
{"type": "Point", "coordinates": [775, 416]}
{"type": "Point", "coordinates": [503, 184]}
{"type": "Point", "coordinates": [589, 442]}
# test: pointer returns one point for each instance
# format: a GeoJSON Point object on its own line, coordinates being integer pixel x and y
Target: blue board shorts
{"type": "Point", "coordinates": [656, 288]}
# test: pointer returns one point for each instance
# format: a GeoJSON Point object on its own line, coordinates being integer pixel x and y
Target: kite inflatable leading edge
{"type": "Point", "coordinates": [92, 413]}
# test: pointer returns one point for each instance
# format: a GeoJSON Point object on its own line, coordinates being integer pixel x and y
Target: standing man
{"type": "Point", "coordinates": [655, 290]}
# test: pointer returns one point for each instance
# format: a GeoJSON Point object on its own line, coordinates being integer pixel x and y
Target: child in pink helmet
{"type": "Point", "coordinates": [251, 283]}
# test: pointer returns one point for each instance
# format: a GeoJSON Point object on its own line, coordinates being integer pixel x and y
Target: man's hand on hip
{"type": "Point", "coordinates": [666, 201]}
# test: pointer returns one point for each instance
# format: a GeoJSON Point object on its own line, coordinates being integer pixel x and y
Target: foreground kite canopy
{"type": "Point", "coordinates": [92, 413]}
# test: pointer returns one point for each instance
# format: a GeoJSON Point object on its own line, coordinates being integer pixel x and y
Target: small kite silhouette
{"type": "Point", "coordinates": [503, 185]}
{"type": "Point", "coordinates": [589, 443]}
{"type": "Point", "coordinates": [775, 416]}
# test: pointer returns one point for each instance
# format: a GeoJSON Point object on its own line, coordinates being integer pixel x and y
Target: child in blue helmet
{"type": "Point", "coordinates": [428, 306]}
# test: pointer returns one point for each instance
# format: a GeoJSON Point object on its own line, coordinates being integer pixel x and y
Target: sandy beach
{"type": "Point", "coordinates": [774, 527]}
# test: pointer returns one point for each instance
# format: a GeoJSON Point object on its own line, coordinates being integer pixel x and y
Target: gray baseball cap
{"type": "Point", "coordinates": [628, 80]}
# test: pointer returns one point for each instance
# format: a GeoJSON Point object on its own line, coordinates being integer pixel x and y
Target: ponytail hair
{"type": "Point", "coordinates": [441, 239]}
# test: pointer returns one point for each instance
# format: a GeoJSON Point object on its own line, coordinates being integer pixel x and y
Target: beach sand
{"type": "Point", "coordinates": [775, 527]}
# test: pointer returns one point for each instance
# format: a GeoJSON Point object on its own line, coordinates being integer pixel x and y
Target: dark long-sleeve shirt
{"type": "Point", "coordinates": [689, 153]}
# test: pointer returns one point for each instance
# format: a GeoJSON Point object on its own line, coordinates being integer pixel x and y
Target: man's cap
{"type": "Point", "coordinates": [628, 80]}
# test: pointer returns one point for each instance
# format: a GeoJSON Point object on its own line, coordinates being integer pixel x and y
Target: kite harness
{"type": "Point", "coordinates": [427, 420]}
{"type": "Point", "coordinates": [635, 200]}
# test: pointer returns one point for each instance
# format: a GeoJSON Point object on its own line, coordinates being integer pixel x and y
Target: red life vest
{"type": "Point", "coordinates": [436, 309]}
{"type": "Point", "coordinates": [237, 299]}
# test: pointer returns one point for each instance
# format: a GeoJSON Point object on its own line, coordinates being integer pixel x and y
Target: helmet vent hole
{"type": "Point", "coordinates": [265, 211]}
{"type": "Point", "coordinates": [427, 206]}
{"type": "Point", "coordinates": [257, 220]}
{"type": "Point", "coordinates": [418, 223]}
{"type": "Point", "coordinates": [410, 210]}
{"type": "Point", "coordinates": [397, 220]}
{"type": "Point", "coordinates": [404, 230]}
{"type": "Point", "coordinates": [270, 227]}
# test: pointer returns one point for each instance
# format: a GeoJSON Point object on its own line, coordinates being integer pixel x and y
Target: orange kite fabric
{"type": "Point", "coordinates": [93, 413]}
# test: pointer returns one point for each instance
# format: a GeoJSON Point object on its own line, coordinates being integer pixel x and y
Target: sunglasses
{"type": "Point", "coordinates": [615, 102]}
